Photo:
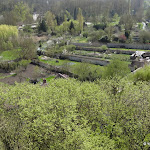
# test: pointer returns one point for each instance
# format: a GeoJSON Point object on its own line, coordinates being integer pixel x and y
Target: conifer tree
{"type": "Point", "coordinates": [42, 26]}
{"type": "Point", "coordinates": [71, 25]}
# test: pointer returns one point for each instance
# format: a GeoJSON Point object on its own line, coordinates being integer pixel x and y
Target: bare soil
{"type": "Point", "coordinates": [36, 39]}
{"type": "Point", "coordinates": [32, 72]}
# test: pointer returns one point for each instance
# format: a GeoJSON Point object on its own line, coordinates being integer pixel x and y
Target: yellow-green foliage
{"type": "Point", "coordinates": [7, 35]}
{"type": "Point", "coordinates": [65, 27]}
{"type": "Point", "coordinates": [142, 74]}
{"type": "Point", "coordinates": [70, 115]}
{"type": "Point", "coordinates": [7, 31]}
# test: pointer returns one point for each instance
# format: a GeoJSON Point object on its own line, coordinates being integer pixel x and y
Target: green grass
{"type": "Point", "coordinates": [10, 55]}
{"type": "Point", "coordinates": [59, 63]}
{"type": "Point", "coordinates": [66, 64]}
{"type": "Point", "coordinates": [2, 76]}
{"type": "Point", "coordinates": [123, 57]}
{"type": "Point", "coordinates": [80, 39]}
{"type": "Point", "coordinates": [48, 79]}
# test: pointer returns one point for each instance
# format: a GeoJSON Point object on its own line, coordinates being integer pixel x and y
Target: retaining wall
{"type": "Point", "coordinates": [53, 68]}
{"type": "Point", "coordinates": [86, 59]}
{"type": "Point", "coordinates": [115, 45]}
{"type": "Point", "coordinates": [129, 46]}
{"type": "Point", "coordinates": [127, 52]}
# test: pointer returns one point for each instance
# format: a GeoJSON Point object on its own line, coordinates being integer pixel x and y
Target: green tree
{"type": "Point", "coordinates": [116, 68]}
{"type": "Point", "coordinates": [75, 13]}
{"type": "Point", "coordinates": [22, 11]}
{"type": "Point", "coordinates": [42, 26]}
{"type": "Point", "coordinates": [127, 21]}
{"type": "Point", "coordinates": [80, 19]}
{"type": "Point", "coordinates": [50, 21]}
{"type": "Point", "coordinates": [65, 24]}
{"type": "Point", "coordinates": [28, 48]}
{"type": "Point", "coordinates": [7, 36]}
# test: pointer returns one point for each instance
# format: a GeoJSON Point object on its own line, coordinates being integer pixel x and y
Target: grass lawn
{"type": "Point", "coordinates": [79, 39]}
{"type": "Point", "coordinates": [9, 55]}
{"type": "Point", "coordinates": [48, 79]}
{"type": "Point", "coordinates": [59, 63]}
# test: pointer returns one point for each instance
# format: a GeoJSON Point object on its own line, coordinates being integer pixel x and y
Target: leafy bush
{"type": "Point", "coordinates": [116, 68]}
{"type": "Point", "coordinates": [140, 26]}
{"type": "Point", "coordinates": [96, 35]}
{"type": "Point", "coordinates": [85, 34]}
{"type": "Point", "coordinates": [99, 26]}
{"type": "Point", "coordinates": [144, 37]}
{"type": "Point", "coordinates": [142, 74]}
{"type": "Point", "coordinates": [54, 51]}
{"type": "Point", "coordinates": [70, 48]}
{"type": "Point", "coordinates": [122, 38]}
{"type": "Point", "coordinates": [87, 72]}
{"type": "Point", "coordinates": [28, 48]}
{"type": "Point", "coordinates": [28, 29]}
{"type": "Point", "coordinates": [8, 66]}
{"type": "Point", "coordinates": [24, 63]}
{"type": "Point", "coordinates": [104, 47]}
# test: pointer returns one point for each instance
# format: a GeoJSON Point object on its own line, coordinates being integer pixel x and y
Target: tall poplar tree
{"type": "Point", "coordinates": [50, 20]}
{"type": "Point", "coordinates": [80, 19]}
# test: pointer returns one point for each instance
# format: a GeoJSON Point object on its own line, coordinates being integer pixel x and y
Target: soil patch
{"type": "Point", "coordinates": [32, 72]}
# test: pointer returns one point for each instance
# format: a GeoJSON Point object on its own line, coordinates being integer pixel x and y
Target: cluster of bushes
{"type": "Point", "coordinates": [54, 52]}
{"type": "Point", "coordinates": [103, 115]}
{"type": "Point", "coordinates": [100, 26]}
{"type": "Point", "coordinates": [89, 72]}
{"type": "Point", "coordinates": [71, 27]}
{"type": "Point", "coordinates": [12, 65]}
{"type": "Point", "coordinates": [96, 35]}
{"type": "Point", "coordinates": [142, 74]}
{"type": "Point", "coordinates": [8, 66]}
{"type": "Point", "coordinates": [144, 37]}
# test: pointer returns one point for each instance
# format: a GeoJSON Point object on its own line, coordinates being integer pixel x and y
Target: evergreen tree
{"type": "Point", "coordinates": [71, 26]}
{"type": "Point", "coordinates": [42, 26]}
{"type": "Point", "coordinates": [75, 14]}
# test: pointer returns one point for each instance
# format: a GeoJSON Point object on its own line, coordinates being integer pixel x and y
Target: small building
{"type": "Point", "coordinates": [139, 59]}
